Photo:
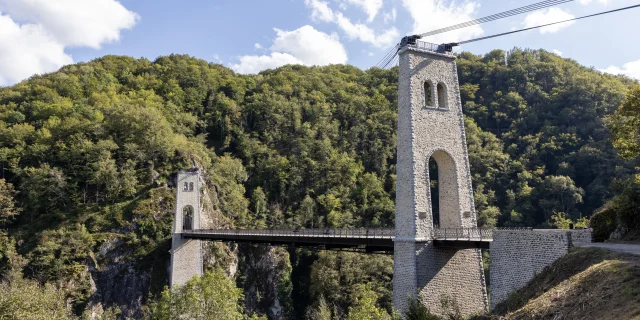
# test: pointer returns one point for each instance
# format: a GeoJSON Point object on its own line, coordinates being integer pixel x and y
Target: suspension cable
{"type": "Point", "coordinates": [546, 25]}
{"type": "Point", "coordinates": [386, 56]}
{"type": "Point", "coordinates": [388, 59]}
{"type": "Point", "coordinates": [513, 12]}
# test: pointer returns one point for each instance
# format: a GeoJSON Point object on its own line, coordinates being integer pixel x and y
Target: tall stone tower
{"type": "Point", "coordinates": [186, 254]}
{"type": "Point", "coordinates": [430, 125]}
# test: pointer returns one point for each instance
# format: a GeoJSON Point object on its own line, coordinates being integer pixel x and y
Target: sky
{"type": "Point", "coordinates": [40, 36]}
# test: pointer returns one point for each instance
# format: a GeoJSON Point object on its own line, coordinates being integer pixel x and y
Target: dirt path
{"type": "Point", "coordinates": [619, 247]}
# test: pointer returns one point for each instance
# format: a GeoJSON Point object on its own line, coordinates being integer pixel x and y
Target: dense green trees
{"type": "Point", "coordinates": [87, 154]}
{"type": "Point", "coordinates": [22, 298]}
{"type": "Point", "coordinates": [625, 125]}
{"type": "Point", "coordinates": [212, 296]}
{"type": "Point", "coordinates": [337, 278]}
{"type": "Point", "coordinates": [623, 211]}
{"type": "Point", "coordinates": [549, 113]}
{"type": "Point", "coordinates": [8, 209]}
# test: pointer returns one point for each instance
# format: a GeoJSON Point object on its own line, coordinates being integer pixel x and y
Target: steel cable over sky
{"type": "Point", "coordinates": [546, 25]}
{"type": "Point", "coordinates": [389, 58]}
{"type": "Point", "coordinates": [513, 12]}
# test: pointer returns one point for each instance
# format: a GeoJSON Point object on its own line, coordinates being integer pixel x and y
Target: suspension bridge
{"type": "Point", "coordinates": [436, 256]}
{"type": "Point", "coordinates": [365, 240]}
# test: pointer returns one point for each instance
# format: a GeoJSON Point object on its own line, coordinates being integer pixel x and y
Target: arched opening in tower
{"type": "Point", "coordinates": [435, 198]}
{"type": "Point", "coordinates": [187, 218]}
{"type": "Point", "coordinates": [445, 205]}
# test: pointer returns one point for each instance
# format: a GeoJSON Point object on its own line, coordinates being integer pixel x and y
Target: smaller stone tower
{"type": "Point", "coordinates": [186, 254]}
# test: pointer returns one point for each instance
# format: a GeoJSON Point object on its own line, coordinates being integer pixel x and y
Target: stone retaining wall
{"type": "Point", "coordinates": [581, 235]}
{"type": "Point", "coordinates": [517, 256]}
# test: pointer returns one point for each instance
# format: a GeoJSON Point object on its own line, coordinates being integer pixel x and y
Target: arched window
{"type": "Point", "coordinates": [444, 190]}
{"type": "Point", "coordinates": [190, 186]}
{"type": "Point", "coordinates": [186, 187]}
{"type": "Point", "coordinates": [435, 197]}
{"type": "Point", "coordinates": [187, 218]}
{"type": "Point", "coordinates": [428, 94]}
{"type": "Point", "coordinates": [442, 96]}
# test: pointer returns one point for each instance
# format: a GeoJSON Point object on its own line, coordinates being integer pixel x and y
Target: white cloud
{"type": "Point", "coordinates": [370, 7]}
{"type": "Point", "coordinates": [26, 50]}
{"type": "Point", "coordinates": [255, 64]}
{"type": "Point", "coordinates": [217, 58]}
{"type": "Point", "coordinates": [586, 2]}
{"type": "Point", "coordinates": [87, 23]}
{"type": "Point", "coordinates": [366, 34]}
{"type": "Point", "coordinates": [631, 69]}
{"type": "Point", "coordinates": [390, 16]}
{"type": "Point", "coordinates": [558, 52]}
{"type": "Point", "coordinates": [548, 16]}
{"type": "Point", "coordinates": [257, 45]}
{"type": "Point", "coordinates": [304, 45]}
{"type": "Point", "coordinates": [429, 15]}
{"type": "Point", "coordinates": [311, 46]}
{"type": "Point", "coordinates": [35, 33]}
{"type": "Point", "coordinates": [320, 10]}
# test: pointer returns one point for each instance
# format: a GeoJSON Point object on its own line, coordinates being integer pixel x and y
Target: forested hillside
{"type": "Point", "coordinates": [87, 156]}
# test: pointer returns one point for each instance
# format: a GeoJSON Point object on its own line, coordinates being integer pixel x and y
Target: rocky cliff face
{"type": "Point", "coordinates": [265, 275]}
{"type": "Point", "coordinates": [119, 282]}
{"type": "Point", "coordinates": [263, 271]}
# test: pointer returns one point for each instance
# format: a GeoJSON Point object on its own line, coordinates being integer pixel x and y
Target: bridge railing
{"type": "Point", "coordinates": [459, 234]}
{"type": "Point", "coordinates": [328, 232]}
{"type": "Point", "coordinates": [469, 234]}
{"type": "Point", "coordinates": [427, 46]}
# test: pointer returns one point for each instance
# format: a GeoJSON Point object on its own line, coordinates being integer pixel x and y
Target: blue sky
{"type": "Point", "coordinates": [38, 36]}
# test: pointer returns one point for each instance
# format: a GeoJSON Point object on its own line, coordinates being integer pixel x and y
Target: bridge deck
{"type": "Point", "coordinates": [371, 240]}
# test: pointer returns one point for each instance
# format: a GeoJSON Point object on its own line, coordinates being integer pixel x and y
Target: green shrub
{"type": "Point", "coordinates": [628, 205]}
{"type": "Point", "coordinates": [418, 311]}
{"type": "Point", "coordinates": [623, 210]}
{"type": "Point", "coordinates": [212, 296]}
{"type": "Point", "coordinates": [604, 223]}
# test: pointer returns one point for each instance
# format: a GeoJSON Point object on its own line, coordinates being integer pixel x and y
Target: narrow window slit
{"type": "Point", "coordinates": [428, 94]}
{"type": "Point", "coordinates": [442, 96]}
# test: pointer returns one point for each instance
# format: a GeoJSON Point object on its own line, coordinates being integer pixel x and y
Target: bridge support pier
{"type": "Point", "coordinates": [443, 279]}
{"type": "Point", "coordinates": [431, 126]}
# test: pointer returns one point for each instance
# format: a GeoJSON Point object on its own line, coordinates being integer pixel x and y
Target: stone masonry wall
{"type": "Point", "coordinates": [517, 256]}
{"type": "Point", "coordinates": [404, 274]}
{"type": "Point", "coordinates": [581, 235]}
{"type": "Point", "coordinates": [447, 275]}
